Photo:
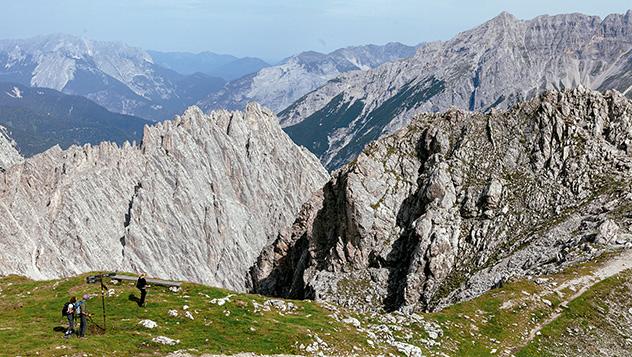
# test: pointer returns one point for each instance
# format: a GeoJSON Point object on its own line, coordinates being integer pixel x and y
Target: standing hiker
{"type": "Point", "coordinates": [69, 312]}
{"type": "Point", "coordinates": [82, 312]}
{"type": "Point", "coordinates": [141, 284]}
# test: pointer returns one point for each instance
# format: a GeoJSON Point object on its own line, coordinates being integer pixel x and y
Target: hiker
{"type": "Point", "coordinates": [82, 312]}
{"type": "Point", "coordinates": [141, 284]}
{"type": "Point", "coordinates": [69, 312]}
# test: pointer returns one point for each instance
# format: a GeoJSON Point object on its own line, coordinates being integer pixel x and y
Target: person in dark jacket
{"type": "Point", "coordinates": [141, 284]}
{"type": "Point", "coordinates": [69, 312]}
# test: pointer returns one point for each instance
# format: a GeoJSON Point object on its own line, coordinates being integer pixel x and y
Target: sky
{"type": "Point", "coordinates": [271, 29]}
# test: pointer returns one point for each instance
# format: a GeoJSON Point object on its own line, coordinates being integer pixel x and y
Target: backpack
{"type": "Point", "coordinates": [64, 310]}
{"type": "Point", "coordinates": [78, 307]}
{"type": "Point", "coordinates": [141, 283]}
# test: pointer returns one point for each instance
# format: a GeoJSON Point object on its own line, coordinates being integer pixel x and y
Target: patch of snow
{"type": "Point", "coordinates": [15, 93]}
{"type": "Point", "coordinates": [358, 64]}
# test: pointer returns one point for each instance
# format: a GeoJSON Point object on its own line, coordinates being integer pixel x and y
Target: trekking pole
{"type": "Point", "coordinates": [89, 317]}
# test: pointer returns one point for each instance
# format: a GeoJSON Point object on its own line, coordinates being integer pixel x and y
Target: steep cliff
{"type": "Point", "coordinates": [457, 203]}
{"type": "Point", "coordinates": [197, 200]}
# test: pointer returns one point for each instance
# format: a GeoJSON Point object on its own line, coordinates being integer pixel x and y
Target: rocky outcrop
{"type": "Point", "coordinates": [197, 200]}
{"type": "Point", "coordinates": [458, 203]}
{"type": "Point", "coordinates": [279, 86]}
{"type": "Point", "coordinates": [8, 153]}
{"type": "Point", "coordinates": [495, 65]}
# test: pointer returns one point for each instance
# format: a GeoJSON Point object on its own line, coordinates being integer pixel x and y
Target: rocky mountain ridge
{"type": "Point", "coordinates": [279, 86]}
{"type": "Point", "coordinates": [196, 200]}
{"type": "Point", "coordinates": [494, 65]}
{"type": "Point", "coordinates": [457, 203]}
{"type": "Point", "coordinates": [40, 118]}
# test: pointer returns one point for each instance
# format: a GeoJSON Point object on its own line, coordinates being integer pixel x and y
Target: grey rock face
{"type": "Point", "coordinates": [457, 203]}
{"type": "Point", "coordinates": [492, 66]}
{"type": "Point", "coordinates": [279, 86]}
{"type": "Point", "coordinates": [8, 153]}
{"type": "Point", "coordinates": [197, 200]}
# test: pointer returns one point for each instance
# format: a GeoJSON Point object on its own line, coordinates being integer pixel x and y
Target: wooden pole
{"type": "Point", "coordinates": [103, 302]}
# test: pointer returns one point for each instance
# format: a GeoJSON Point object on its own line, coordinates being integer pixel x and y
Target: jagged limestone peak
{"type": "Point", "coordinates": [457, 203]}
{"type": "Point", "coordinates": [197, 200]}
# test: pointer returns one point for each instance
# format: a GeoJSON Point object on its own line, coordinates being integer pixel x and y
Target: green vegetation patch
{"type": "Point", "coordinates": [592, 323]}
{"type": "Point", "coordinates": [31, 321]}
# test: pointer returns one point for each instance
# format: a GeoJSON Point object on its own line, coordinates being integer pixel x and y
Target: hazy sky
{"type": "Point", "coordinates": [270, 29]}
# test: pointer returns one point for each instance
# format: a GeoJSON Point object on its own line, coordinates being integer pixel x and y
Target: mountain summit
{"type": "Point", "coordinates": [197, 200]}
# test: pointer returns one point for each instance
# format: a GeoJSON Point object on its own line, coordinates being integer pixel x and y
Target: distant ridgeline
{"type": "Point", "coordinates": [40, 118]}
{"type": "Point", "coordinates": [121, 78]}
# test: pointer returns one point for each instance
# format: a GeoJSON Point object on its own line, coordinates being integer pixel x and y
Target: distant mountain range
{"type": "Point", "coordinates": [157, 85]}
{"type": "Point", "coordinates": [39, 118]}
{"type": "Point", "coordinates": [279, 86]}
{"type": "Point", "coordinates": [140, 85]}
{"type": "Point", "coordinates": [227, 67]}
{"type": "Point", "coordinates": [491, 66]}
{"type": "Point", "coordinates": [121, 78]}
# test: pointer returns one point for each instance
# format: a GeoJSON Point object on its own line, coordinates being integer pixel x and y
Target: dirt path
{"type": "Point", "coordinates": [580, 285]}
